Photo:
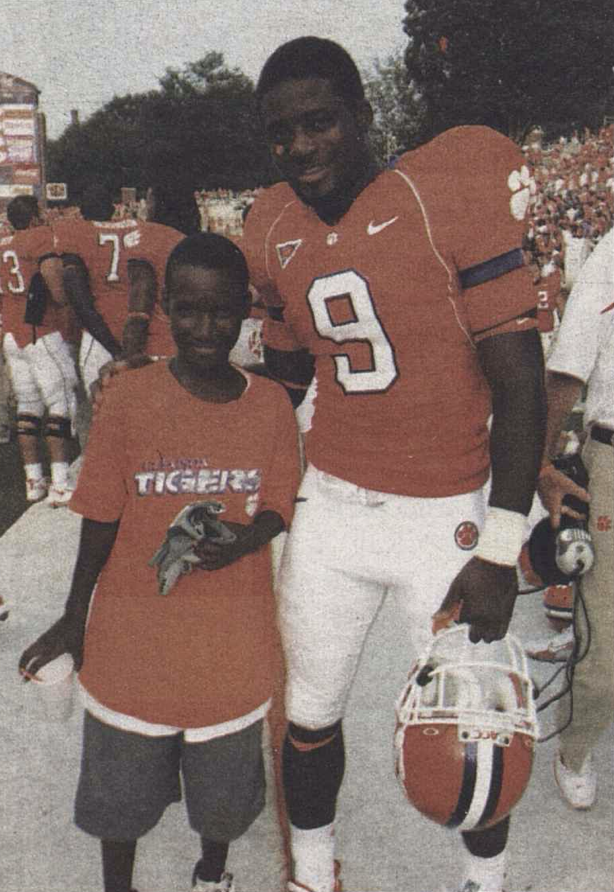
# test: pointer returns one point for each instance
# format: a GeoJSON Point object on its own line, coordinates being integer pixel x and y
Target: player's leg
{"type": "Point", "coordinates": [329, 596]}
{"type": "Point", "coordinates": [593, 676]}
{"type": "Point", "coordinates": [126, 782]}
{"type": "Point", "coordinates": [30, 410]}
{"type": "Point", "coordinates": [224, 783]}
{"type": "Point", "coordinates": [56, 377]}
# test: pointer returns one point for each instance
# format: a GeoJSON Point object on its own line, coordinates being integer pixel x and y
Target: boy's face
{"type": "Point", "coordinates": [206, 308]}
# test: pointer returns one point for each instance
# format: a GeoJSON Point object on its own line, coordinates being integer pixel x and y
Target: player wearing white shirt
{"type": "Point", "coordinates": [584, 356]}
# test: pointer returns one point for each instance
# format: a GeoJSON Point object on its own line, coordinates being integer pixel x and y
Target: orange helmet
{"type": "Point", "coordinates": [466, 729]}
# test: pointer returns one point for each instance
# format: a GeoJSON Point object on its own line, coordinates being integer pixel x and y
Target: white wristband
{"type": "Point", "coordinates": [501, 538]}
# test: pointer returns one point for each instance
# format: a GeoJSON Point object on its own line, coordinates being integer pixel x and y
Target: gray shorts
{"type": "Point", "coordinates": [127, 780]}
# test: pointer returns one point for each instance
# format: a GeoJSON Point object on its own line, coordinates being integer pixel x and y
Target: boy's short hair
{"type": "Point", "coordinates": [210, 251]}
{"type": "Point", "coordinates": [21, 210]}
{"type": "Point", "coordinates": [312, 57]}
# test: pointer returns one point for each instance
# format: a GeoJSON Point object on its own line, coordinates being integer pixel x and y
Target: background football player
{"type": "Point", "coordinates": [38, 357]}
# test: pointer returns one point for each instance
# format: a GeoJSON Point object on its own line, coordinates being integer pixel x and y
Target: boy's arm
{"type": "Point", "coordinates": [67, 634]}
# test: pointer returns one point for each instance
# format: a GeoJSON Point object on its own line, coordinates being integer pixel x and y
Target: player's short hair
{"type": "Point", "coordinates": [21, 210]}
{"type": "Point", "coordinates": [208, 250]}
{"type": "Point", "coordinates": [312, 57]}
{"type": "Point", "coordinates": [97, 203]}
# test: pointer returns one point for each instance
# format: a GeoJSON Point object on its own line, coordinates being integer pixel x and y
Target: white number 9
{"type": "Point", "coordinates": [364, 327]}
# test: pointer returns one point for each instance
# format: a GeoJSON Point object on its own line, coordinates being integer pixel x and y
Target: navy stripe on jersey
{"type": "Point", "coordinates": [491, 269]}
{"type": "Point", "coordinates": [470, 772]}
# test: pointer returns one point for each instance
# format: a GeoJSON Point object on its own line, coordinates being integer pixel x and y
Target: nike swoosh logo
{"type": "Point", "coordinates": [374, 228]}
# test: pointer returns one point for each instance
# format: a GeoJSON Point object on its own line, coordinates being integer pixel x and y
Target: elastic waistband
{"type": "Point", "coordinates": [602, 435]}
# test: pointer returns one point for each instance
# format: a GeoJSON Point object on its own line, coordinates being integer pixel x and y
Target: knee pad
{"type": "Point", "coordinates": [59, 427]}
{"type": "Point", "coordinates": [28, 425]}
{"type": "Point", "coordinates": [313, 767]}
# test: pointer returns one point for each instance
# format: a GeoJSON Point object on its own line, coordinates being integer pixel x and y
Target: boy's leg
{"type": "Point", "coordinates": [224, 785]}
{"type": "Point", "coordinates": [212, 863]}
{"type": "Point", "coordinates": [117, 864]}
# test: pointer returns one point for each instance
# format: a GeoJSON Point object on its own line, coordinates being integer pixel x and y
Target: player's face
{"type": "Point", "coordinates": [206, 309]}
{"type": "Point", "coordinates": [317, 139]}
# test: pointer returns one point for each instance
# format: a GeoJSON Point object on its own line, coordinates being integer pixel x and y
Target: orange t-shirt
{"type": "Point", "coordinates": [20, 256]}
{"type": "Point", "coordinates": [106, 248]}
{"type": "Point", "coordinates": [390, 301]}
{"type": "Point", "coordinates": [203, 654]}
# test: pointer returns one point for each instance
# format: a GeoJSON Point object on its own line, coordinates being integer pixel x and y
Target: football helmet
{"type": "Point", "coordinates": [466, 729]}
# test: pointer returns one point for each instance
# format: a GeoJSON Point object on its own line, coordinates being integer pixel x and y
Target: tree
{"type": "Point", "coordinates": [398, 108]}
{"type": "Point", "coordinates": [197, 130]}
{"type": "Point", "coordinates": [510, 64]}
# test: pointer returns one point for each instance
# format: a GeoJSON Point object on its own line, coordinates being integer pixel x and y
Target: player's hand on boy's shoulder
{"type": "Point", "coordinates": [64, 636]}
{"type": "Point", "coordinates": [483, 595]}
{"type": "Point", "coordinates": [110, 370]}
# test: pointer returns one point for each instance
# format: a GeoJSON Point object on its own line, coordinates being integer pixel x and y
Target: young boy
{"type": "Point", "coordinates": [177, 667]}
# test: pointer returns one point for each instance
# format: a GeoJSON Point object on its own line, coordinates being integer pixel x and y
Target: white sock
{"type": "Point", "coordinates": [313, 853]}
{"type": "Point", "coordinates": [59, 474]}
{"type": "Point", "coordinates": [34, 471]}
{"type": "Point", "coordinates": [487, 873]}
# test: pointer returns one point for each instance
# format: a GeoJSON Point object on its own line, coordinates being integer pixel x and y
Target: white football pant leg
{"type": "Point", "coordinates": [54, 370]}
{"type": "Point", "coordinates": [92, 356]}
{"type": "Point", "coordinates": [328, 600]}
{"type": "Point", "coordinates": [28, 397]}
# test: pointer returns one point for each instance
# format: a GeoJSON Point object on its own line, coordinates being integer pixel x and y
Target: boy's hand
{"type": "Point", "coordinates": [64, 636]}
{"type": "Point", "coordinates": [213, 555]}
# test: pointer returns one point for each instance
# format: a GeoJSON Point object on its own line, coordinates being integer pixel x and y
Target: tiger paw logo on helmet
{"type": "Point", "coordinates": [466, 729]}
{"type": "Point", "coordinates": [522, 187]}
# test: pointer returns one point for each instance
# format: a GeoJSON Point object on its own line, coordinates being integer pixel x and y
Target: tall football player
{"type": "Point", "coordinates": [400, 319]}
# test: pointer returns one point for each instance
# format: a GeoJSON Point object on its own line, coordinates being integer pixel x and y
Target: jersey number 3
{"type": "Point", "coordinates": [359, 323]}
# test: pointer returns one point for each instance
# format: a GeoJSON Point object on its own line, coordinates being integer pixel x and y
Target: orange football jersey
{"type": "Point", "coordinates": [390, 302]}
{"type": "Point", "coordinates": [548, 289]}
{"type": "Point", "coordinates": [20, 255]}
{"type": "Point", "coordinates": [106, 249]}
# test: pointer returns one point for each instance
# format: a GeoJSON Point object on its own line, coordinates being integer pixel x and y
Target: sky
{"type": "Point", "coordinates": [81, 53]}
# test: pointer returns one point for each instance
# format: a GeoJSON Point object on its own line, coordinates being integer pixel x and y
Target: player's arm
{"type": "Point", "coordinates": [67, 634]}
{"type": "Point", "coordinates": [141, 302]}
{"type": "Point", "coordinates": [81, 299]}
{"type": "Point", "coordinates": [52, 271]}
{"type": "Point", "coordinates": [486, 587]}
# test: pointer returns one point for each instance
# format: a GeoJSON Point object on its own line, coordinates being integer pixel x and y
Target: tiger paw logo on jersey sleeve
{"type": "Point", "coordinates": [522, 186]}
{"type": "Point", "coordinates": [132, 239]}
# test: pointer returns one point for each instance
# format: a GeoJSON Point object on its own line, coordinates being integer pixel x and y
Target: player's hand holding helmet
{"type": "Point", "coordinates": [466, 729]}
